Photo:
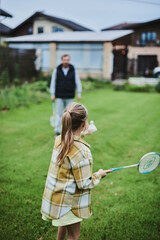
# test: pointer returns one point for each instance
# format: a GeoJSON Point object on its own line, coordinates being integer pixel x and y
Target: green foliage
{"type": "Point", "coordinates": [4, 78]}
{"type": "Point", "coordinates": [119, 87]}
{"type": "Point", "coordinates": [16, 71]}
{"type": "Point", "coordinates": [135, 88]}
{"type": "Point", "coordinates": [158, 87]}
{"type": "Point", "coordinates": [47, 78]}
{"type": "Point", "coordinates": [39, 86]}
{"type": "Point", "coordinates": [16, 81]}
{"type": "Point", "coordinates": [90, 84]}
{"type": "Point", "coordinates": [124, 204]}
{"type": "Point", "coordinates": [23, 95]}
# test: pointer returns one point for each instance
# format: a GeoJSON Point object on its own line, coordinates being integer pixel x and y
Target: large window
{"type": "Point", "coordinates": [57, 29]}
{"type": "Point", "coordinates": [86, 57]}
{"type": "Point", "coordinates": [40, 30]}
{"type": "Point", "coordinates": [148, 37]}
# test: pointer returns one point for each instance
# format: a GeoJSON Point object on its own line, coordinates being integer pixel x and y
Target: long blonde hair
{"type": "Point", "coordinates": [74, 116]}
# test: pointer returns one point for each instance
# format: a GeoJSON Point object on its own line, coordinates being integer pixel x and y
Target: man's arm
{"type": "Point", "coordinates": [53, 84]}
{"type": "Point", "coordinates": [78, 85]}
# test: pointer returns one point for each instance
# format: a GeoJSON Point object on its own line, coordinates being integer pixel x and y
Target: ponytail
{"type": "Point", "coordinates": [67, 138]}
{"type": "Point", "coordinates": [72, 120]}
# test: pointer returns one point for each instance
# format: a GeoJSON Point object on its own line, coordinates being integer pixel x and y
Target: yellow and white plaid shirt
{"type": "Point", "coordinates": [68, 186]}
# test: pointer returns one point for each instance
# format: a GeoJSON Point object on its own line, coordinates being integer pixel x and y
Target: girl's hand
{"type": "Point", "coordinates": [85, 132]}
{"type": "Point", "coordinates": [104, 172]}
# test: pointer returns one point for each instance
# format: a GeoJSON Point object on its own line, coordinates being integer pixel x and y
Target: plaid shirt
{"type": "Point", "coordinates": [68, 186]}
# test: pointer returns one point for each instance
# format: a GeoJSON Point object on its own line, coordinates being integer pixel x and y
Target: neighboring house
{"type": "Point", "coordinates": [141, 52]}
{"type": "Point", "coordinates": [42, 23]}
{"type": "Point", "coordinates": [91, 52]}
{"type": "Point", "coordinates": [4, 30]}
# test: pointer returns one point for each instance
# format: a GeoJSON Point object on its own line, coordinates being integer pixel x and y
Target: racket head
{"type": "Point", "coordinates": [149, 162]}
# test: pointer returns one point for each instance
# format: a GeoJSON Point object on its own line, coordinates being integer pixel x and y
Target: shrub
{"type": "Point", "coordinates": [16, 81]}
{"type": "Point", "coordinates": [39, 86]}
{"type": "Point", "coordinates": [4, 78]}
{"type": "Point", "coordinates": [8, 101]}
{"type": "Point", "coordinates": [23, 95]}
{"type": "Point", "coordinates": [157, 87]}
{"type": "Point", "coordinates": [47, 78]}
{"type": "Point", "coordinates": [93, 83]}
{"type": "Point", "coordinates": [119, 87]}
{"type": "Point", "coordinates": [135, 88]}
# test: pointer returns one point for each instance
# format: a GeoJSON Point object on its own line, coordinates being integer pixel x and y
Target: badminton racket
{"type": "Point", "coordinates": [147, 163]}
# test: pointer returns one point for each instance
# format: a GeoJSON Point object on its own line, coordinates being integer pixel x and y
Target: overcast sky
{"type": "Point", "coordinates": [94, 14]}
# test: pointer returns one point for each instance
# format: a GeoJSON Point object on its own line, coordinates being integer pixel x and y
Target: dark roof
{"type": "Point", "coordinates": [4, 13]}
{"type": "Point", "coordinates": [127, 26]}
{"type": "Point", "coordinates": [121, 26]}
{"type": "Point", "coordinates": [148, 23]}
{"type": "Point", "coordinates": [72, 25]}
{"type": "Point", "coordinates": [4, 29]}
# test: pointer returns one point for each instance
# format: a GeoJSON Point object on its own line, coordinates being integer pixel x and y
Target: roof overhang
{"type": "Point", "coordinates": [107, 36]}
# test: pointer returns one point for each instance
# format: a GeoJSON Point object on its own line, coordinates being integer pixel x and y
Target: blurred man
{"type": "Point", "coordinates": [63, 84]}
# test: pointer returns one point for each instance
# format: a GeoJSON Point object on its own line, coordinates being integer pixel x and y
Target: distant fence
{"type": "Point", "coordinates": [17, 65]}
{"type": "Point", "coordinates": [142, 81]}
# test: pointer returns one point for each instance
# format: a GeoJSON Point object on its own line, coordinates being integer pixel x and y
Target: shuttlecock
{"type": "Point", "coordinates": [92, 128]}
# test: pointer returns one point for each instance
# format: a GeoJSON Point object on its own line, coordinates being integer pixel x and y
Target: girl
{"type": "Point", "coordinates": [66, 198]}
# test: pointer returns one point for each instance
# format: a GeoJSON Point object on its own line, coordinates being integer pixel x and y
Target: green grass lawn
{"type": "Point", "coordinates": [125, 205]}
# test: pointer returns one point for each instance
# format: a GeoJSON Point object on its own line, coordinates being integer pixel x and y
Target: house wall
{"type": "Point", "coordinates": [86, 57]}
{"type": "Point", "coordinates": [107, 60]}
{"type": "Point", "coordinates": [47, 25]}
{"type": "Point", "coordinates": [23, 30]}
{"type": "Point", "coordinates": [136, 36]}
{"type": "Point", "coordinates": [133, 53]}
{"type": "Point", "coordinates": [90, 59]}
{"type": "Point", "coordinates": [53, 56]}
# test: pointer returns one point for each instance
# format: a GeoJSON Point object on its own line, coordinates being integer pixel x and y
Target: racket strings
{"type": "Point", "coordinates": [148, 163]}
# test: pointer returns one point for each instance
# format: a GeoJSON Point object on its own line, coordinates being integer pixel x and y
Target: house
{"type": "Point", "coordinates": [117, 52]}
{"type": "Point", "coordinates": [43, 23]}
{"type": "Point", "coordinates": [141, 52]}
{"type": "Point", "coordinates": [90, 52]}
{"type": "Point", "coordinates": [4, 29]}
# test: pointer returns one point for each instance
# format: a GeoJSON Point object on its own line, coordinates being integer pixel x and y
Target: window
{"type": "Point", "coordinates": [153, 36]}
{"type": "Point", "coordinates": [143, 39]}
{"type": "Point", "coordinates": [40, 30]}
{"type": "Point", "coordinates": [87, 57]}
{"type": "Point", "coordinates": [149, 34]}
{"type": "Point", "coordinates": [30, 30]}
{"type": "Point", "coordinates": [148, 37]}
{"type": "Point", "coordinates": [57, 29]}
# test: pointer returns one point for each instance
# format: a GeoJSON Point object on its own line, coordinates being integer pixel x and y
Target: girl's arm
{"type": "Point", "coordinates": [83, 175]}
